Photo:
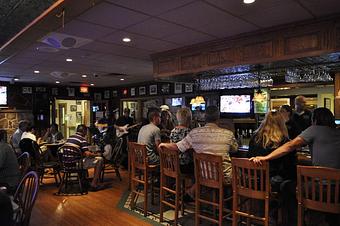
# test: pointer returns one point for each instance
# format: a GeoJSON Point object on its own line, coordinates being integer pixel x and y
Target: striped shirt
{"type": "Point", "coordinates": [80, 141]}
{"type": "Point", "coordinates": [212, 139]}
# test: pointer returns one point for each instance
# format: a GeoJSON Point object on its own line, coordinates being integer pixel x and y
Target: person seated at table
{"type": "Point", "coordinates": [16, 137]}
{"type": "Point", "coordinates": [322, 138]}
{"type": "Point", "coordinates": [6, 213]}
{"type": "Point", "coordinates": [90, 160]}
{"type": "Point", "coordinates": [52, 134]}
{"type": "Point", "coordinates": [9, 167]}
{"type": "Point", "coordinates": [209, 139]}
{"type": "Point", "coordinates": [150, 135]}
{"type": "Point", "coordinates": [184, 117]}
{"type": "Point", "coordinates": [29, 133]}
{"type": "Point", "coordinates": [271, 134]}
{"type": "Point", "coordinates": [166, 124]}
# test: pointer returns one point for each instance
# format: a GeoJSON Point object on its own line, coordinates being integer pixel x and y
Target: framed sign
{"type": "Point", "coordinates": [107, 94]}
{"type": "Point", "coordinates": [71, 92]}
{"type": "Point", "coordinates": [165, 88]}
{"type": "Point", "coordinates": [133, 91]}
{"type": "Point", "coordinates": [188, 87]}
{"type": "Point", "coordinates": [153, 89]}
{"type": "Point", "coordinates": [178, 88]}
{"type": "Point", "coordinates": [26, 90]}
{"type": "Point", "coordinates": [142, 90]}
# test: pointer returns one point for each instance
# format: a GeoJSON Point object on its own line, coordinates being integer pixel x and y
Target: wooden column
{"type": "Point", "coordinates": [337, 94]}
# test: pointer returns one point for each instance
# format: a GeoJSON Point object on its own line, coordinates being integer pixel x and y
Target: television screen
{"type": "Point", "coordinates": [337, 122]}
{"type": "Point", "coordinates": [3, 95]}
{"type": "Point", "coordinates": [202, 107]}
{"type": "Point", "coordinates": [235, 104]}
{"type": "Point", "coordinates": [95, 108]}
{"type": "Point", "coordinates": [176, 101]}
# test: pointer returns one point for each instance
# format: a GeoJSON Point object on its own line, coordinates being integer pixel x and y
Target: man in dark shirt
{"type": "Point", "coordinates": [90, 160]}
{"type": "Point", "coordinates": [302, 116]}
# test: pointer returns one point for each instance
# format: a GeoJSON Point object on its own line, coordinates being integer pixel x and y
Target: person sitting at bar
{"type": "Point", "coordinates": [166, 125]}
{"type": "Point", "coordinates": [16, 137]}
{"type": "Point", "coordinates": [271, 134]}
{"type": "Point", "coordinates": [293, 129]}
{"type": "Point", "coordinates": [184, 117]}
{"type": "Point", "coordinates": [150, 135]}
{"type": "Point", "coordinates": [209, 139]}
{"type": "Point", "coordinates": [9, 167]}
{"type": "Point", "coordinates": [90, 160]}
{"type": "Point", "coordinates": [323, 140]}
{"type": "Point", "coordinates": [301, 116]}
{"type": "Point", "coordinates": [52, 134]}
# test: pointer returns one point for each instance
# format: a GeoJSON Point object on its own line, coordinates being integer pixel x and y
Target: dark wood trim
{"type": "Point", "coordinates": [301, 39]}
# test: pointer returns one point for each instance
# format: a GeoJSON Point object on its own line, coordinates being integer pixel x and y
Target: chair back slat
{"type": "Point", "coordinates": [318, 188]}
{"type": "Point", "coordinates": [208, 169]}
{"type": "Point", "coordinates": [25, 197]}
{"type": "Point", "coordinates": [117, 152]}
{"type": "Point", "coordinates": [250, 180]}
{"type": "Point", "coordinates": [169, 160]}
{"type": "Point", "coordinates": [138, 154]}
{"type": "Point", "coordinates": [70, 158]}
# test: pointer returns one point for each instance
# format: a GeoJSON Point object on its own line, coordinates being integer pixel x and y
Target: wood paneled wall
{"type": "Point", "coordinates": [309, 38]}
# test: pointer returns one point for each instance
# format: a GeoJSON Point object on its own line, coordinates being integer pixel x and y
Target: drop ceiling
{"type": "Point", "coordinates": [153, 26]}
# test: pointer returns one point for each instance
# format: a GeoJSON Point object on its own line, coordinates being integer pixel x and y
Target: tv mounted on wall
{"type": "Point", "coordinates": [3, 95]}
{"type": "Point", "coordinates": [235, 104]}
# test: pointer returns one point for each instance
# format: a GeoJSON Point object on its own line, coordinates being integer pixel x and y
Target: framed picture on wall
{"type": "Point", "coordinates": [71, 92]}
{"type": "Point", "coordinates": [78, 117]}
{"type": "Point", "coordinates": [178, 88]}
{"type": "Point", "coordinates": [188, 87]}
{"type": "Point", "coordinates": [142, 90]}
{"type": "Point", "coordinates": [97, 96]}
{"type": "Point", "coordinates": [165, 88]}
{"type": "Point", "coordinates": [114, 93]}
{"type": "Point", "coordinates": [133, 91]}
{"type": "Point", "coordinates": [78, 102]}
{"type": "Point", "coordinates": [153, 89]}
{"type": "Point", "coordinates": [107, 94]}
{"type": "Point", "coordinates": [54, 91]}
{"type": "Point", "coordinates": [73, 108]}
{"type": "Point", "coordinates": [26, 90]}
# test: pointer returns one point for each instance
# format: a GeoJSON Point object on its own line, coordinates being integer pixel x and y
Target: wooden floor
{"type": "Point", "coordinates": [95, 208]}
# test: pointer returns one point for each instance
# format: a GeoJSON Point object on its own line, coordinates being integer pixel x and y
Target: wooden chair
{"type": "Point", "coordinates": [24, 163]}
{"type": "Point", "coordinates": [38, 163]}
{"type": "Point", "coordinates": [140, 174]}
{"type": "Point", "coordinates": [25, 197]}
{"type": "Point", "coordinates": [112, 165]}
{"type": "Point", "coordinates": [317, 189]}
{"type": "Point", "coordinates": [209, 174]}
{"type": "Point", "coordinates": [170, 170]}
{"type": "Point", "coordinates": [250, 182]}
{"type": "Point", "coordinates": [71, 164]}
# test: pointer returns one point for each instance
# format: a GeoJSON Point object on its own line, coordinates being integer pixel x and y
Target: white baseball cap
{"type": "Point", "coordinates": [164, 107]}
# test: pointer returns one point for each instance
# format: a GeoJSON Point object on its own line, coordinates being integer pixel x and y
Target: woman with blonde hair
{"type": "Point", "coordinates": [271, 134]}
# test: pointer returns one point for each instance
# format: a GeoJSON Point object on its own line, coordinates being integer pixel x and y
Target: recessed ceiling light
{"type": "Point", "coordinates": [36, 72]}
{"type": "Point", "coordinates": [248, 1]}
{"type": "Point", "coordinates": [57, 82]}
{"type": "Point", "coordinates": [84, 76]}
{"type": "Point", "coordinates": [69, 60]}
{"type": "Point", "coordinates": [126, 39]}
{"type": "Point", "coordinates": [91, 84]}
{"type": "Point", "coordinates": [16, 79]}
{"type": "Point", "coordinates": [122, 79]}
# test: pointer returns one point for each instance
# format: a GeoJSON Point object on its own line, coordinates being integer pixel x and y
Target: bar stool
{"type": "Point", "coordinates": [317, 189]}
{"type": "Point", "coordinates": [140, 174]}
{"type": "Point", "coordinates": [252, 183]}
{"type": "Point", "coordinates": [209, 174]}
{"type": "Point", "coordinates": [170, 169]}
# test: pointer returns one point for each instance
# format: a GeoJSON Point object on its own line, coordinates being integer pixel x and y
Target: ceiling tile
{"type": "Point", "coordinates": [322, 7]}
{"type": "Point", "coordinates": [85, 30]}
{"type": "Point", "coordinates": [280, 14]}
{"type": "Point", "coordinates": [139, 41]}
{"type": "Point", "coordinates": [155, 28]}
{"type": "Point", "coordinates": [112, 16]}
{"type": "Point", "coordinates": [152, 7]}
{"type": "Point", "coordinates": [188, 37]}
{"type": "Point", "coordinates": [217, 22]}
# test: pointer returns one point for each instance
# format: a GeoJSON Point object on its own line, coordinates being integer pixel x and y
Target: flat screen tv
{"type": "Point", "coordinates": [235, 104]}
{"type": "Point", "coordinates": [95, 108]}
{"type": "Point", "coordinates": [201, 106]}
{"type": "Point", "coordinates": [176, 101]}
{"type": "Point", "coordinates": [3, 95]}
